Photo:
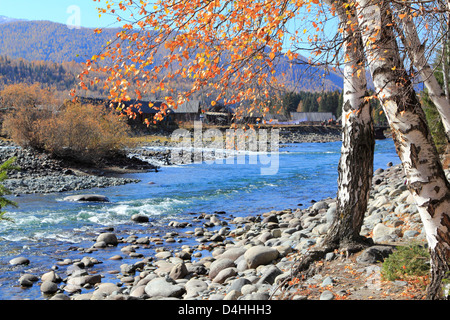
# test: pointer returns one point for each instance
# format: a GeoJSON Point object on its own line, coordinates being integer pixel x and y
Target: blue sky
{"type": "Point", "coordinates": [60, 11]}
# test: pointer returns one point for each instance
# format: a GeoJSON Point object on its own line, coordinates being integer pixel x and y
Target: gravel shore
{"type": "Point", "coordinates": [39, 173]}
{"type": "Point", "coordinates": [241, 258]}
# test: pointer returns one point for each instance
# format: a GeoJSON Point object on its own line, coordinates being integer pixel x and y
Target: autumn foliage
{"type": "Point", "coordinates": [22, 102]}
{"type": "Point", "coordinates": [83, 133]}
{"type": "Point", "coordinates": [228, 49]}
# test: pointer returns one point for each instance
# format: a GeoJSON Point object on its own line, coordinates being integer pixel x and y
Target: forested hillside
{"type": "Point", "coordinates": [49, 74]}
{"type": "Point", "coordinates": [54, 42]}
{"type": "Point", "coordinates": [49, 41]}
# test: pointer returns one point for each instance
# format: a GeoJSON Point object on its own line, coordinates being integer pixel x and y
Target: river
{"type": "Point", "coordinates": [47, 229]}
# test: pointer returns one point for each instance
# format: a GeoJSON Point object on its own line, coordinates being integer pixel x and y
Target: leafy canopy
{"type": "Point", "coordinates": [227, 48]}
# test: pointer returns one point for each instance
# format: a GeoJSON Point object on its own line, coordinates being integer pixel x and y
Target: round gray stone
{"type": "Point", "coordinates": [19, 261]}
{"type": "Point", "coordinates": [160, 287]}
{"type": "Point", "coordinates": [140, 218]}
{"type": "Point", "coordinates": [108, 238]}
{"type": "Point", "coordinates": [220, 265]}
{"type": "Point", "coordinates": [260, 255]}
{"type": "Point", "coordinates": [326, 295]}
{"type": "Point", "coordinates": [49, 287]}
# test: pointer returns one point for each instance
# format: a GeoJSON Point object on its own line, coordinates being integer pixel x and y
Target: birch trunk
{"type": "Point", "coordinates": [426, 179]}
{"type": "Point", "coordinates": [445, 44]}
{"type": "Point", "coordinates": [416, 52]}
{"type": "Point", "coordinates": [445, 68]}
{"type": "Point", "coordinates": [356, 161]}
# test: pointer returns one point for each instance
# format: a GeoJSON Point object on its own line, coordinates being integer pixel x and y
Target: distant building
{"type": "Point", "coordinates": [273, 118]}
{"type": "Point", "coordinates": [189, 111]}
{"type": "Point", "coordinates": [299, 117]}
{"type": "Point", "coordinates": [145, 109]}
{"type": "Point", "coordinates": [93, 101]}
{"type": "Point", "coordinates": [186, 112]}
{"type": "Point", "coordinates": [244, 114]}
{"type": "Point", "coordinates": [217, 114]}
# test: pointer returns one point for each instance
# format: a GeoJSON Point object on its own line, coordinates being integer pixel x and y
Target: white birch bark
{"type": "Point", "coordinates": [356, 161]}
{"type": "Point", "coordinates": [416, 52]}
{"type": "Point", "coordinates": [445, 52]}
{"type": "Point", "coordinates": [426, 179]}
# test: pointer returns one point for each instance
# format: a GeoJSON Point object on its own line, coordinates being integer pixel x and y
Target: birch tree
{"type": "Point", "coordinates": [416, 52]}
{"type": "Point", "coordinates": [357, 151]}
{"type": "Point", "coordinates": [414, 145]}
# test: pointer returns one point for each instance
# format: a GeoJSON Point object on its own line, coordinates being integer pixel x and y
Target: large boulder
{"type": "Point", "coordinates": [381, 231]}
{"type": "Point", "coordinates": [140, 218]}
{"type": "Point", "coordinates": [48, 287]}
{"type": "Point", "coordinates": [223, 275]}
{"type": "Point", "coordinates": [161, 287]}
{"type": "Point", "coordinates": [232, 253]}
{"type": "Point", "coordinates": [179, 271]}
{"type": "Point", "coordinates": [19, 261]}
{"type": "Point", "coordinates": [219, 265]}
{"type": "Point", "coordinates": [195, 286]}
{"type": "Point", "coordinates": [260, 255]}
{"type": "Point", "coordinates": [374, 254]}
{"type": "Point", "coordinates": [108, 238]}
{"type": "Point", "coordinates": [105, 289]}
{"type": "Point", "coordinates": [87, 198]}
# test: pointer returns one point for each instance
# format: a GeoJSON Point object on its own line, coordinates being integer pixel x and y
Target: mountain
{"type": "Point", "coordinates": [50, 41]}
{"type": "Point", "coordinates": [55, 42]}
{"type": "Point", "coordinates": [301, 76]}
{"type": "Point", "coordinates": [4, 19]}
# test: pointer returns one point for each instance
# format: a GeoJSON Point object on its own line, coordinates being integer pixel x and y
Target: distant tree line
{"type": "Point", "coordinates": [49, 74]}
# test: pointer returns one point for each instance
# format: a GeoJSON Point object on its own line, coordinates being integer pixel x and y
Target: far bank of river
{"type": "Point", "coordinates": [40, 174]}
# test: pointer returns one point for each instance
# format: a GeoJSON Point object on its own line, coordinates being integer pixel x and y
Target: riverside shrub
{"type": "Point", "coordinates": [23, 101]}
{"type": "Point", "coordinates": [82, 133]}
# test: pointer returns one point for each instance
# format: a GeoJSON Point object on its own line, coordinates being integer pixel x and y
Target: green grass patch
{"type": "Point", "coordinates": [405, 261]}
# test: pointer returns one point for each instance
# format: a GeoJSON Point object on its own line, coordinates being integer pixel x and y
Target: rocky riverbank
{"type": "Point", "coordinates": [287, 134]}
{"type": "Point", "coordinates": [40, 173]}
{"type": "Point", "coordinates": [308, 134]}
{"type": "Point", "coordinates": [242, 258]}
